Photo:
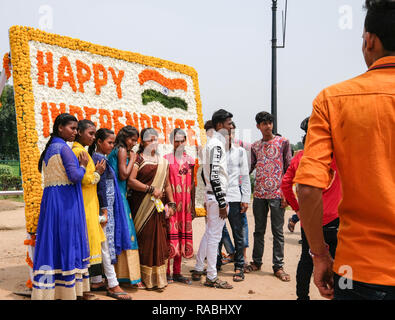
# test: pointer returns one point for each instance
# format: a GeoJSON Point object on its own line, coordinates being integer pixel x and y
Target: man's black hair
{"type": "Point", "coordinates": [264, 117]}
{"type": "Point", "coordinates": [220, 116]}
{"type": "Point", "coordinates": [380, 20]}
{"type": "Point", "coordinates": [208, 125]}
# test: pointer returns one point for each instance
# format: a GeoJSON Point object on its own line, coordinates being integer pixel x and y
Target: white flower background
{"type": "Point", "coordinates": [131, 100]}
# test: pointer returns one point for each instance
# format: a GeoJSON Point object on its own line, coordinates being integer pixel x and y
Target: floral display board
{"type": "Point", "coordinates": [53, 74]}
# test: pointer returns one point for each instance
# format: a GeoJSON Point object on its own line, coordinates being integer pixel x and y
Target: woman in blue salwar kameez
{"type": "Point", "coordinates": [61, 259]}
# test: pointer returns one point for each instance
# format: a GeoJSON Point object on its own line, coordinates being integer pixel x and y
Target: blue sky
{"type": "Point", "coordinates": [228, 42]}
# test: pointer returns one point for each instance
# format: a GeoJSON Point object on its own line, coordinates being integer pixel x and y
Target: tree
{"type": "Point", "coordinates": [8, 132]}
{"type": "Point", "coordinates": [298, 146]}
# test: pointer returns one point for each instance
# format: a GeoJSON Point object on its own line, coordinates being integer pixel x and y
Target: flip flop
{"type": "Point", "coordinates": [169, 278]}
{"type": "Point", "coordinates": [282, 275]}
{"type": "Point", "coordinates": [116, 295]}
{"type": "Point", "coordinates": [216, 283]}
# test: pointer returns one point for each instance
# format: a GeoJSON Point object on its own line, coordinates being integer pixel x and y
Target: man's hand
{"type": "Point", "coordinates": [244, 207]}
{"type": "Point", "coordinates": [323, 275]}
{"type": "Point", "coordinates": [223, 212]}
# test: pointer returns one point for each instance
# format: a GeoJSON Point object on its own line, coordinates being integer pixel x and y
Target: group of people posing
{"type": "Point", "coordinates": [127, 214]}
{"type": "Point", "coordinates": [109, 209]}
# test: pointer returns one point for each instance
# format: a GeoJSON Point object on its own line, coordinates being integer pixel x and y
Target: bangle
{"type": "Point", "coordinates": [146, 188]}
{"type": "Point", "coordinates": [151, 189]}
{"type": "Point", "coordinates": [314, 255]}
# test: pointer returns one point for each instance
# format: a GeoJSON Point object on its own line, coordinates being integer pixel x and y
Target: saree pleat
{"type": "Point", "coordinates": [152, 233]}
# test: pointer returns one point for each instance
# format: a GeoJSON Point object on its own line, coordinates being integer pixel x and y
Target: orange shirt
{"type": "Point", "coordinates": [355, 120]}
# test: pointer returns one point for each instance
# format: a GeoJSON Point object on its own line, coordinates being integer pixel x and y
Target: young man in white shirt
{"type": "Point", "coordinates": [238, 197]}
{"type": "Point", "coordinates": [216, 178]}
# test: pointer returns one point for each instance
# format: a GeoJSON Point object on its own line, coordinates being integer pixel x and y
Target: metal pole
{"type": "Point", "coordinates": [274, 64]}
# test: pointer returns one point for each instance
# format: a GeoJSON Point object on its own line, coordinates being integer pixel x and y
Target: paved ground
{"type": "Point", "coordinates": [260, 285]}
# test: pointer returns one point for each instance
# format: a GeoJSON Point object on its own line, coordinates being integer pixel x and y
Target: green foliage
{"type": "Point", "coordinates": [8, 132]}
{"type": "Point", "coordinates": [10, 182]}
{"type": "Point", "coordinates": [298, 146]}
{"type": "Point", "coordinates": [5, 170]}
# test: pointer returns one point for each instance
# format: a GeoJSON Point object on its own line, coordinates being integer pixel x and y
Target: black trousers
{"type": "Point", "coordinates": [305, 265]}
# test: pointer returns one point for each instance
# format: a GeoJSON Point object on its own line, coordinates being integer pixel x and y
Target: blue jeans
{"type": "Point", "coordinates": [227, 242]}
{"type": "Point", "coordinates": [236, 221]}
{"type": "Point", "coordinates": [245, 230]}
{"type": "Point", "coordinates": [362, 291]}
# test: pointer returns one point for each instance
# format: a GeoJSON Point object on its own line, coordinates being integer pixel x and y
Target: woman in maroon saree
{"type": "Point", "coordinates": [150, 180]}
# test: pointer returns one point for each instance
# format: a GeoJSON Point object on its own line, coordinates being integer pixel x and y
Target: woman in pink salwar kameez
{"type": "Point", "coordinates": [181, 170]}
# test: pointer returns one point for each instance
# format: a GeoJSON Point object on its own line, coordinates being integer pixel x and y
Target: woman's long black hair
{"type": "Point", "coordinates": [61, 120]}
{"type": "Point", "coordinates": [101, 134]}
{"type": "Point", "coordinates": [123, 134]}
{"type": "Point", "coordinates": [145, 132]}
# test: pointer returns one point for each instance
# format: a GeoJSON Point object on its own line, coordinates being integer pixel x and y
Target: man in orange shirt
{"type": "Point", "coordinates": [355, 122]}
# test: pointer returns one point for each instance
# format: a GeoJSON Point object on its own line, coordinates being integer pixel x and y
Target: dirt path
{"type": "Point", "coordinates": [260, 285]}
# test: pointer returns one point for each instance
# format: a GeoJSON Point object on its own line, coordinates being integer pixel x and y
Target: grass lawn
{"type": "Point", "coordinates": [12, 198]}
{"type": "Point", "coordinates": [15, 170]}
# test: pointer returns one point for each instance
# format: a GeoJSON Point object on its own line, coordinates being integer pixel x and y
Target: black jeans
{"type": "Point", "coordinates": [362, 291]}
{"type": "Point", "coordinates": [305, 265]}
{"type": "Point", "coordinates": [236, 221]}
{"type": "Point", "coordinates": [260, 209]}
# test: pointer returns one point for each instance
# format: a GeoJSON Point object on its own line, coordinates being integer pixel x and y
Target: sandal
{"type": "Point", "coordinates": [216, 283]}
{"type": "Point", "coordinates": [118, 295]}
{"type": "Point", "coordinates": [251, 267]}
{"type": "Point", "coordinates": [197, 275]}
{"type": "Point", "coordinates": [140, 285]}
{"type": "Point", "coordinates": [181, 278]}
{"type": "Point", "coordinates": [227, 259]}
{"type": "Point", "coordinates": [238, 275]}
{"type": "Point", "coordinates": [291, 225]}
{"type": "Point", "coordinates": [169, 278]}
{"type": "Point", "coordinates": [282, 275]}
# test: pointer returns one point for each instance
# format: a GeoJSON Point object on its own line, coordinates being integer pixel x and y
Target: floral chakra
{"type": "Point", "coordinates": [54, 74]}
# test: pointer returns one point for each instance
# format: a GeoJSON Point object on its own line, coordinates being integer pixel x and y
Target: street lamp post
{"type": "Point", "coordinates": [274, 64]}
{"type": "Point", "coordinates": [274, 57]}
